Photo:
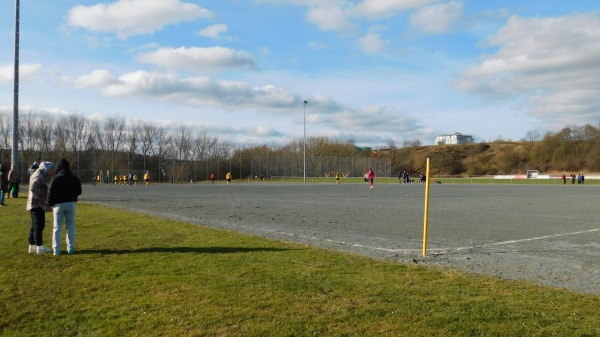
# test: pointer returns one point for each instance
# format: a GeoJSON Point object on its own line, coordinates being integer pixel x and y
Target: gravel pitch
{"type": "Point", "coordinates": [549, 235]}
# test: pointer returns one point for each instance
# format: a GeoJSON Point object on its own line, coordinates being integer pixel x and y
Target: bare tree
{"type": "Point", "coordinates": [149, 133]}
{"type": "Point", "coordinates": [533, 136]}
{"type": "Point", "coordinates": [5, 129]}
{"type": "Point", "coordinates": [182, 142]}
{"type": "Point", "coordinates": [202, 147]}
{"type": "Point", "coordinates": [75, 141]}
{"type": "Point", "coordinates": [112, 137]}
{"type": "Point", "coordinates": [46, 130]}
{"type": "Point", "coordinates": [61, 137]}
{"type": "Point", "coordinates": [133, 141]}
{"type": "Point", "coordinates": [162, 142]}
{"type": "Point", "coordinates": [28, 134]}
{"type": "Point", "coordinates": [408, 143]}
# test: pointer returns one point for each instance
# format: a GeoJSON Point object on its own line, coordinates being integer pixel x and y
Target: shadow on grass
{"type": "Point", "coordinates": [197, 250]}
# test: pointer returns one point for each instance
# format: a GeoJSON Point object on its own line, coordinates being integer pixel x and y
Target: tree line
{"type": "Point", "coordinates": [182, 153]}
{"type": "Point", "coordinates": [118, 145]}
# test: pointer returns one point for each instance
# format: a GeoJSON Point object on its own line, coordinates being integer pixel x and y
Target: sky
{"type": "Point", "coordinates": [371, 71]}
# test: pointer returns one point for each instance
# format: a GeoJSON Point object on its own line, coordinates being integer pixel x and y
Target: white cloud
{"type": "Point", "coordinates": [549, 63]}
{"type": "Point", "coordinates": [26, 72]}
{"type": "Point", "coordinates": [331, 19]}
{"type": "Point", "coordinates": [198, 59]}
{"type": "Point", "coordinates": [134, 17]}
{"type": "Point", "coordinates": [193, 91]}
{"type": "Point", "coordinates": [379, 9]}
{"type": "Point", "coordinates": [374, 117]}
{"type": "Point", "coordinates": [372, 42]}
{"type": "Point", "coordinates": [95, 79]}
{"type": "Point", "coordinates": [437, 18]}
{"type": "Point", "coordinates": [344, 16]}
{"type": "Point", "coordinates": [213, 31]}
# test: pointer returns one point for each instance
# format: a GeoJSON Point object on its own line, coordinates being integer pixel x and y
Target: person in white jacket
{"type": "Point", "coordinates": [37, 206]}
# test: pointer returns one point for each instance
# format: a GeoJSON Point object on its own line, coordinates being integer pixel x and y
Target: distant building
{"type": "Point", "coordinates": [454, 138]}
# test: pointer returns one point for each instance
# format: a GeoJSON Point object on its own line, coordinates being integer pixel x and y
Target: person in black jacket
{"type": "Point", "coordinates": [3, 184]}
{"type": "Point", "coordinates": [62, 196]}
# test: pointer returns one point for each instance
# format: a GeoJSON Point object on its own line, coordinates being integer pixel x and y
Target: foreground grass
{"type": "Point", "coordinates": [135, 275]}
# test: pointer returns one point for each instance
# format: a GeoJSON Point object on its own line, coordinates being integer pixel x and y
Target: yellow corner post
{"type": "Point", "coordinates": [426, 212]}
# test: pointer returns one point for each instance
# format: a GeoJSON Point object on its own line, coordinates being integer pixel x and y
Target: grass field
{"type": "Point", "coordinates": [135, 275]}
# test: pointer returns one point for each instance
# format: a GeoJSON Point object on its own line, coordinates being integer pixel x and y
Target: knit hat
{"type": "Point", "coordinates": [46, 166]}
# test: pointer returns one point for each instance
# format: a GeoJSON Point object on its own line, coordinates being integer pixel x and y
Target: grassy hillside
{"type": "Point", "coordinates": [486, 159]}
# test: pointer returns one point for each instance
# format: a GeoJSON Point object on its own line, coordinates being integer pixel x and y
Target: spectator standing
{"type": "Point", "coordinates": [3, 184]}
{"type": "Point", "coordinates": [14, 178]}
{"type": "Point", "coordinates": [62, 196]}
{"type": "Point", "coordinates": [37, 206]}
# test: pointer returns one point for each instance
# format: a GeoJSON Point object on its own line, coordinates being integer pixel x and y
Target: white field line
{"type": "Point", "coordinates": [529, 239]}
{"type": "Point", "coordinates": [411, 251]}
{"type": "Point", "coordinates": [356, 245]}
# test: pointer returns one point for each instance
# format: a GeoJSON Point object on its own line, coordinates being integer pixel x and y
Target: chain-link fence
{"type": "Point", "coordinates": [293, 166]}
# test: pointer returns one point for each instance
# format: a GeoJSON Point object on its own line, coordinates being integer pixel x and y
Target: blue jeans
{"type": "Point", "coordinates": [2, 197]}
{"type": "Point", "coordinates": [64, 212]}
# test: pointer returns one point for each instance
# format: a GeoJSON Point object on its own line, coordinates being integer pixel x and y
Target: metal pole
{"type": "Point", "coordinates": [15, 142]}
{"type": "Point", "coordinates": [305, 102]}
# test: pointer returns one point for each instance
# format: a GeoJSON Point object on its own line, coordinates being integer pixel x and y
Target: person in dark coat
{"type": "Point", "coordinates": [3, 184]}
{"type": "Point", "coordinates": [14, 179]}
{"type": "Point", "coordinates": [62, 196]}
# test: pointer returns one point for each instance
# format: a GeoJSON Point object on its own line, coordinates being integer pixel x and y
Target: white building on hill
{"type": "Point", "coordinates": [454, 138]}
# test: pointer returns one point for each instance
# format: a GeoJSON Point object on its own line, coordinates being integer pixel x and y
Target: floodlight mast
{"type": "Point", "coordinates": [15, 142]}
{"type": "Point", "coordinates": [305, 103]}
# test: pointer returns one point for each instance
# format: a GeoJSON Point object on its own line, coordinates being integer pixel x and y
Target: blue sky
{"type": "Point", "coordinates": [373, 71]}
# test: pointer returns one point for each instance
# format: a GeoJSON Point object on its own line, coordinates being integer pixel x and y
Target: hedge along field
{"type": "Point", "coordinates": [134, 274]}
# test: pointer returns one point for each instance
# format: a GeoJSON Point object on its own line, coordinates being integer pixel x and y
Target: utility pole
{"type": "Point", "coordinates": [305, 103]}
{"type": "Point", "coordinates": [15, 142]}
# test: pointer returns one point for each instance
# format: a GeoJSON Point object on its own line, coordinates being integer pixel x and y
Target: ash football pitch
{"type": "Point", "coordinates": [546, 234]}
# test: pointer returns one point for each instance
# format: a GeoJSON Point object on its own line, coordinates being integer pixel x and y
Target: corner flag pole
{"type": "Point", "coordinates": [15, 141]}
{"type": "Point", "coordinates": [426, 212]}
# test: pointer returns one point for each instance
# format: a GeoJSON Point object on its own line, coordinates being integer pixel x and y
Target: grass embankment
{"type": "Point", "coordinates": [135, 275]}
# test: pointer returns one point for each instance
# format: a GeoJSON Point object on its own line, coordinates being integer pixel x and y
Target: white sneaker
{"type": "Point", "coordinates": [43, 249]}
{"type": "Point", "coordinates": [32, 249]}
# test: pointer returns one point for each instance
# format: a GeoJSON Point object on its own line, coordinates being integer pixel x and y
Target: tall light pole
{"type": "Point", "coordinates": [15, 142]}
{"type": "Point", "coordinates": [305, 103]}
{"type": "Point", "coordinates": [79, 150]}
